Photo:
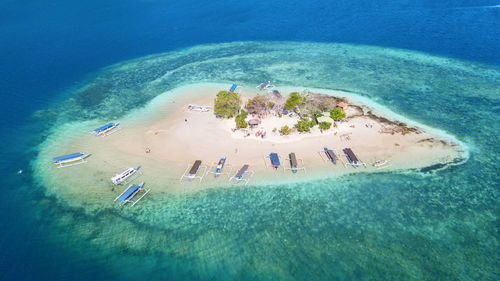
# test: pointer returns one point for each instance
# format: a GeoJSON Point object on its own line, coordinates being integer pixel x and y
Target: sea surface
{"type": "Point", "coordinates": [436, 62]}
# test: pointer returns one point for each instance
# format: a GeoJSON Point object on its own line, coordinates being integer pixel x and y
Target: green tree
{"type": "Point", "coordinates": [240, 119]}
{"type": "Point", "coordinates": [304, 125]}
{"type": "Point", "coordinates": [227, 104]}
{"type": "Point", "coordinates": [337, 114]}
{"type": "Point", "coordinates": [285, 130]}
{"type": "Point", "coordinates": [325, 125]}
{"type": "Point", "coordinates": [294, 100]}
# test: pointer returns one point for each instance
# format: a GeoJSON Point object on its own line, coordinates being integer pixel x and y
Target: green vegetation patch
{"type": "Point", "coordinates": [295, 99]}
{"type": "Point", "coordinates": [240, 119]}
{"type": "Point", "coordinates": [285, 130]}
{"type": "Point", "coordinates": [337, 114]}
{"type": "Point", "coordinates": [304, 125]}
{"type": "Point", "coordinates": [227, 104]}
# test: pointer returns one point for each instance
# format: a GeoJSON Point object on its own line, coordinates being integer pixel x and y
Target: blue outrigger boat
{"type": "Point", "coordinates": [331, 155]}
{"type": "Point", "coordinates": [275, 160]}
{"type": "Point", "coordinates": [129, 193]}
{"type": "Point", "coordinates": [70, 159]}
{"type": "Point", "coordinates": [103, 130]}
{"type": "Point", "coordinates": [219, 167]}
{"type": "Point", "coordinates": [233, 87]}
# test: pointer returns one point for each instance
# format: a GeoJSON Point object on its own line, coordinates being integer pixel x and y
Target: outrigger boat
{"type": "Point", "coordinates": [194, 170]}
{"type": "Point", "coordinates": [293, 162]}
{"type": "Point", "coordinates": [70, 159]}
{"type": "Point", "coordinates": [121, 177]}
{"type": "Point", "coordinates": [331, 155]}
{"type": "Point", "coordinates": [264, 85]}
{"type": "Point", "coordinates": [106, 129]}
{"type": "Point", "coordinates": [219, 167]}
{"type": "Point", "coordinates": [275, 160]}
{"type": "Point", "coordinates": [351, 157]}
{"type": "Point", "coordinates": [129, 193]}
{"type": "Point", "coordinates": [241, 173]}
{"type": "Point", "coordinates": [382, 163]}
{"type": "Point", "coordinates": [233, 87]}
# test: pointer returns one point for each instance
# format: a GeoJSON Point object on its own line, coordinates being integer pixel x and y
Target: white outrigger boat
{"type": "Point", "coordinates": [107, 129]}
{"type": "Point", "coordinates": [70, 159]}
{"type": "Point", "coordinates": [199, 108]}
{"type": "Point", "coordinates": [382, 163]}
{"type": "Point", "coordinates": [123, 176]}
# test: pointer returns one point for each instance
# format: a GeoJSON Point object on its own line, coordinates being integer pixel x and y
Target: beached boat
{"type": "Point", "coordinates": [200, 108]}
{"type": "Point", "coordinates": [353, 159]}
{"type": "Point", "coordinates": [121, 177]}
{"type": "Point", "coordinates": [293, 162]}
{"type": "Point", "coordinates": [233, 87]}
{"type": "Point", "coordinates": [265, 85]}
{"type": "Point", "coordinates": [380, 164]}
{"type": "Point", "coordinates": [220, 166]}
{"type": "Point", "coordinates": [194, 170]}
{"type": "Point", "coordinates": [106, 129]}
{"type": "Point", "coordinates": [331, 155]}
{"type": "Point", "coordinates": [70, 159]}
{"type": "Point", "coordinates": [275, 160]}
{"type": "Point", "coordinates": [129, 193]}
{"type": "Point", "coordinates": [241, 173]}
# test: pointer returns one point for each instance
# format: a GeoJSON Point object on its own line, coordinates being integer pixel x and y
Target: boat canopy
{"type": "Point", "coordinates": [67, 157]}
{"type": "Point", "coordinates": [242, 171]}
{"type": "Point", "coordinates": [293, 160]}
{"type": "Point", "coordinates": [275, 160]}
{"type": "Point", "coordinates": [195, 167]}
{"type": "Point", "coordinates": [352, 157]}
{"type": "Point", "coordinates": [128, 193]}
{"type": "Point", "coordinates": [331, 155]}
{"type": "Point", "coordinates": [233, 87]}
{"type": "Point", "coordinates": [105, 127]}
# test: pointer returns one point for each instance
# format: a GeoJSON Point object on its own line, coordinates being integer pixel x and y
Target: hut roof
{"type": "Point", "coordinates": [254, 122]}
{"type": "Point", "coordinates": [342, 104]}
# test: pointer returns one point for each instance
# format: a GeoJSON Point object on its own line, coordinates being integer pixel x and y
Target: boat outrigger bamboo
{"type": "Point", "coordinates": [121, 177]}
{"type": "Point", "coordinates": [129, 193]}
{"type": "Point", "coordinates": [70, 159]}
{"type": "Point", "coordinates": [106, 130]}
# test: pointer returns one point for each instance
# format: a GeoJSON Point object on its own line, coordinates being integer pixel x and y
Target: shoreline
{"type": "Point", "coordinates": [175, 144]}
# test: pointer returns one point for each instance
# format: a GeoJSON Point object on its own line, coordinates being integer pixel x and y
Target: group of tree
{"type": "Point", "coordinates": [258, 105]}
{"type": "Point", "coordinates": [227, 104]}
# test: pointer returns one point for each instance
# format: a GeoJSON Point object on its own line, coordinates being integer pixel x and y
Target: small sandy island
{"type": "Point", "coordinates": [171, 133]}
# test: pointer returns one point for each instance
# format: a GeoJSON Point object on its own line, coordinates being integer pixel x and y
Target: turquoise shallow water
{"type": "Point", "coordinates": [417, 225]}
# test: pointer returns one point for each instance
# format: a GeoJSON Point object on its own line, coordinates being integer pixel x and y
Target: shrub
{"type": "Point", "coordinates": [227, 104]}
{"type": "Point", "coordinates": [285, 130]}
{"type": "Point", "coordinates": [240, 119]}
{"type": "Point", "coordinates": [337, 114]}
{"type": "Point", "coordinates": [304, 125]}
{"type": "Point", "coordinates": [294, 100]}
{"type": "Point", "coordinates": [325, 125]}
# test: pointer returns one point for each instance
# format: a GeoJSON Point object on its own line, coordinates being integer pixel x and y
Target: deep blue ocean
{"type": "Point", "coordinates": [50, 48]}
